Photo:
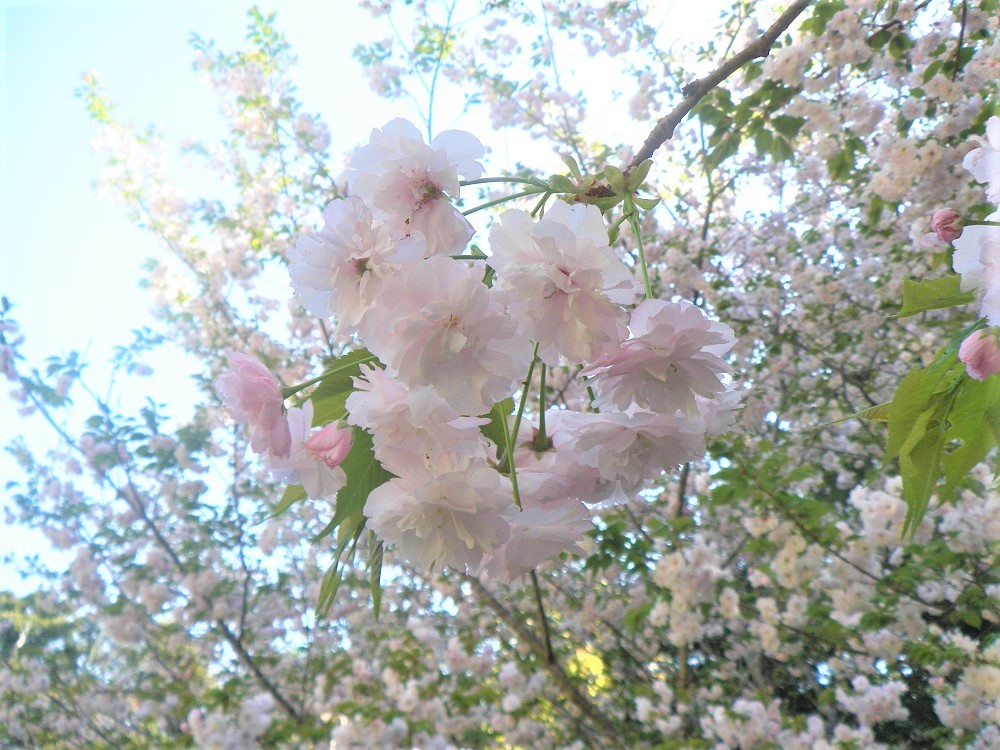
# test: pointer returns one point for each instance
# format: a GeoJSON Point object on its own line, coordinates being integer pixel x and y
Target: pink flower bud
{"type": "Point", "coordinates": [981, 354]}
{"type": "Point", "coordinates": [947, 224]}
{"type": "Point", "coordinates": [330, 445]}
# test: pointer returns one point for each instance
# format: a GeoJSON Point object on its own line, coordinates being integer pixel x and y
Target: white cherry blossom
{"type": "Point", "coordinates": [408, 183]}
{"type": "Point", "coordinates": [449, 519]}
{"type": "Point", "coordinates": [437, 324]}
{"type": "Point", "coordinates": [339, 271]}
{"type": "Point", "coordinates": [567, 280]}
{"type": "Point", "coordinates": [675, 354]}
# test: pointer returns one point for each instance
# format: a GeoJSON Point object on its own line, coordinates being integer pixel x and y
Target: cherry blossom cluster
{"type": "Point", "coordinates": [390, 268]}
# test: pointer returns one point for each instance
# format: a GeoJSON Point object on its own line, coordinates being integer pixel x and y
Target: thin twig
{"type": "Point", "coordinates": [695, 91]}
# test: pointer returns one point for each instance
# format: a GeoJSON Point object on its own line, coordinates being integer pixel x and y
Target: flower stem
{"type": "Point", "coordinates": [519, 180]}
{"type": "Point", "coordinates": [524, 395]}
{"type": "Point", "coordinates": [511, 440]}
{"type": "Point", "coordinates": [291, 390]}
{"type": "Point", "coordinates": [540, 206]}
{"type": "Point", "coordinates": [540, 439]}
{"type": "Point", "coordinates": [633, 222]}
{"type": "Point", "coordinates": [498, 201]}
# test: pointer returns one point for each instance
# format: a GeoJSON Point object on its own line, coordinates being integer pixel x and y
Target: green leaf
{"type": "Point", "coordinates": [498, 414]}
{"type": "Point", "coordinates": [560, 183]}
{"type": "Point", "coordinates": [973, 421]}
{"type": "Point", "coordinates": [335, 575]}
{"type": "Point", "coordinates": [646, 204]}
{"type": "Point", "coordinates": [336, 385]}
{"type": "Point", "coordinates": [787, 125]}
{"type": "Point", "coordinates": [919, 464]}
{"type": "Point", "coordinates": [574, 168]}
{"type": "Point", "coordinates": [877, 413]}
{"type": "Point", "coordinates": [293, 493]}
{"type": "Point", "coordinates": [932, 294]}
{"type": "Point", "coordinates": [911, 400]}
{"type": "Point", "coordinates": [781, 150]}
{"type": "Point", "coordinates": [762, 142]}
{"type": "Point", "coordinates": [364, 474]}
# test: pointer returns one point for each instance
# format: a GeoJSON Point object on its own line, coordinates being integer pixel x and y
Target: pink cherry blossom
{"type": "Point", "coordinates": [675, 354]}
{"type": "Point", "coordinates": [416, 421]}
{"type": "Point", "coordinates": [981, 354]}
{"type": "Point", "coordinates": [947, 224]}
{"type": "Point", "coordinates": [314, 459]}
{"type": "Point", "coordinates": [340, 270]}
{"type": "Point", "coordinates": [567, 280]}
{"type": "Point", "coordinates": [408, 183]}
{"type": "Point", "coordinates": [555, 472]}
{"type": "Point", "coordinates": [539, 534]}
{"type": "Point", "coordinates": [253, 396]}
{"type": "Point", "coordinates": [330, 445]}
{"type": "Point", "coordinates": [437, 324]}
{"type": "Point", "coordinates": [628, 448]}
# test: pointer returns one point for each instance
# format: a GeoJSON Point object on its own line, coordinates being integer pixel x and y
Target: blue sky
{"type": "Point", "coordinates": [70, 260]}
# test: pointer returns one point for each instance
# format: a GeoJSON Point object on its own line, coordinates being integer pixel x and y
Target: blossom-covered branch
{"type": "Point", "coordinates": [695, 91]}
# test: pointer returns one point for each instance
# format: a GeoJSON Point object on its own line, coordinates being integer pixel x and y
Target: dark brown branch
{"type": "Point", "coordinates": [263, 679]}
{"type": "Point", "coordinates": [695, 91]}
{"type": "Point", "coordinates": [607, 728]}
{"type": "Point", "coordinates": [961, 39]}
{"type": "Point", "coordinates": [549, 653]}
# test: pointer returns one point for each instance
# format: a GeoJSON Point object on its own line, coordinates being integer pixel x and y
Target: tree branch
{"type": "Point", "coordinates": [607, 728]}
{"type": "Point", "coordinates": [695, 91]}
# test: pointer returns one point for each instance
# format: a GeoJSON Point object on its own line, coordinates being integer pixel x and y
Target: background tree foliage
{"type": "Point", "coordinates": [766, 597]}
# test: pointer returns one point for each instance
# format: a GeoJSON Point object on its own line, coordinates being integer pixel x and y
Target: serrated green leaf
{"type": "Point", "coordinates": [787, 125]}
{"type": "Point", "coordinates": [346, 545]}
{"type": "Point", "coordinates": [920, 458]}
{"type": "Point", "coordinates": [328, 590]}
{"type": "Point", "coordinates": [781, 149]}
{"type": "Point", "coordinates": [932, 294]}
{"type": "Point", "coordinates": [293, 493]}
{"type": "Point", "coordinates": [877, 413]}
{"type": "Point", "coordinates": [364, 474]}
{"type": "Point", "coordinates": [762, 142]}
{"type": "Point", "coordinates": [973, 420]}
{"type": "Point", "coordinates": [909, 402]}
